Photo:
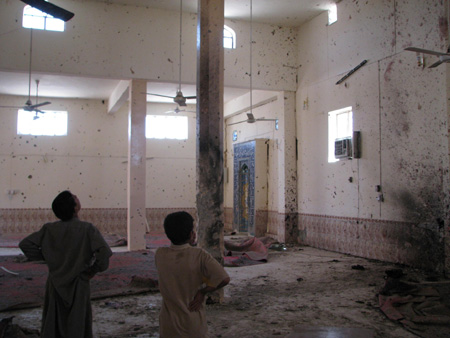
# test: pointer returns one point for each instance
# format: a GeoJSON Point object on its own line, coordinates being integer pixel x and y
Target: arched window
{"type": "Point", "coordinates": [332, 14]}
{"type": "Point", "coordinates": [34, 18]}
{"type": "Point", "coordinates": [229, 38]}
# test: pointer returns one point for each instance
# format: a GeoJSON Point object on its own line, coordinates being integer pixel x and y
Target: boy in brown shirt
{"type": "Point", "coordinates": [185, 274]}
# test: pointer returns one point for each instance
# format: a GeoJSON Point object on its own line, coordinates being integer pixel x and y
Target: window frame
{"type": "Point", "coordinates": [334, 133]}
{"type": "Point", "coordinates": [170, 127]}
{"type": "Point", "coordinates": [231, 37]}
{"type": "Point", "coordinates": [332, 14]}
{"type": "Point", "coordinates": [34, 126]}
{"type": "Point", "coordinates": [33, 18]}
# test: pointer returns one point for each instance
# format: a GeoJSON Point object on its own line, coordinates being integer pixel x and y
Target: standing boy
{"type": "Point", "coordinates": [185, 275]}
{"type": "Point", "coordinates": [74, 252]}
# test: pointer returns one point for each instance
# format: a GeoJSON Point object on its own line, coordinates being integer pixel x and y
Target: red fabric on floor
{"type": "Point", "coordinates": [27, 288]}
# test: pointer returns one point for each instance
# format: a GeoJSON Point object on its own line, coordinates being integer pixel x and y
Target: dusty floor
{"type": "Point", "coordinates": [299, 286]}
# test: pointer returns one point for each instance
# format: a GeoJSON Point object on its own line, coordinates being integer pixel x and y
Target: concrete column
{"type": "Point", "coordinates": [287, 164]}
{"type": "Point", "coordinates": [136, 218]}
{"type": "Point", "coordinates": [447, 186]}
{"type": "Point", "coordinates": [210, 126]}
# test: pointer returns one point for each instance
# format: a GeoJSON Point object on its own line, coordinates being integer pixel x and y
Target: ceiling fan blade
{"type": "Point", "coordinates": [263, 119]}
{"type": "Point", "coordinates": [49, 8]}
{"type": "Point", "coordinates": [425, 51]}
{"type": "Point", "coordinates": [190, 97]}
{"type": "Point", "coordinates": [436, 64]}
{"type": "Point", "coordinates": [169, 97]}
{"type": "Point", "coordinates": [176, 111]}
{"type": "Point", "coordinates": [33, 107]}
{"type": "Point", "coordinates": [230, 124]}
{"type": "Point", "coordinates": [40, 104]}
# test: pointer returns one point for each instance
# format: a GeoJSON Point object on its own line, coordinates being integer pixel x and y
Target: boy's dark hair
{"type": "Point", "coordinates": [178, 227]}
{"type": "Point", "coordinates": [64, 205]}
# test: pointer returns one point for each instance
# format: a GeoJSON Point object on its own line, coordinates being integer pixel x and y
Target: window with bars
{"type": "Point", "coordinates": [35, 19]}
{"type": "Point", "coordinates": [340, 125]}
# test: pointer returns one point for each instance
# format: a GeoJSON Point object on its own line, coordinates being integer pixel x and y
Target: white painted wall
{"type": "Point", "coordinates": [122, 42]}
{"type": "Point", "coordinates": [91, 159]}
{"type": "Point", "coordinates": [171, 173]}
{"type": "Point", "coordinates": [399, 107]}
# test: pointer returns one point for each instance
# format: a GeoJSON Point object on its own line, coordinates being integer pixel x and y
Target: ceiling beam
{"type": "Point", "coordinates": [118, 97]}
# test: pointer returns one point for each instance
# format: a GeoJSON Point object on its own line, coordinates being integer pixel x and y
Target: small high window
{"type": "Point", "coordinates": [340, 125]}
{"type": "Point", "coordinates": [166, 127]}
{"type": "Point", "coordinates": [332, 14]}
{"type": "Point", "coordinates": [34, 18]}
{"type": "Point", "coordinates": [229, 38]}
{"type": "Point", "coordinates": [48, 123]}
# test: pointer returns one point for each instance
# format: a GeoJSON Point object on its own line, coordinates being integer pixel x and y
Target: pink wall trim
{"type": "Point", "coordinates": [112, 221]}
{"type": "Point", "coordinates": [391, 241]}
{"type": "Point", "coordinates": [397, 242]}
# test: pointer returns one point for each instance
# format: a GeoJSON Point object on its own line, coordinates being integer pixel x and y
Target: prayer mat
{"type": "Point", "coordinates": [422, 308]}
{"type": "Point", "coordinates": [327, 332]}
{"type": "Point", "coordinates": [22, 284]}
{"type": "Point", "coordinates": [10, 240]}
{"type": "Point", "coordinates": [249, 251]}
{"type": "Point", "coordinates": [153, 240]}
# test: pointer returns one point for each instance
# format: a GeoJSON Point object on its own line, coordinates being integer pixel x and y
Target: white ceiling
{"type": "Point", "coordinates": [277, 12]}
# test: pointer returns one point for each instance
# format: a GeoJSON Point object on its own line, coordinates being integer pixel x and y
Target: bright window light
{"type": "Point", "coordinates": [340, 125]}
{"type": "Point", "coordinates": [34, 18]}
{"type": "Point", "coordinates": [48, 123]}
{"type": "Point", "coordinates": [332, 14]}
{"type": "Point", "coordinates": [166, 127]}
{"type": "Point", "coordinates": [229, 38]}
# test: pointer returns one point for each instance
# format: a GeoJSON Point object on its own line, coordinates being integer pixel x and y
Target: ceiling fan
{"type": "Point", "coordinates": [29, 106]}
{"type": "Point", "coordinates": [179, 98]}
{"type": "Point", "coordinates": [443, 57]}
{"type": "Point", "coordinates": [49, 8]}
{"type": "Point", "coordinates": [251, 119]}
{"type": "Point", "coordinates": [178, 110]}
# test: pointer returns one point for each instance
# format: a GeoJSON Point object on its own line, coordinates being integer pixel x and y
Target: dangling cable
{"type": "Point", "coordinates": [181, 30]}
{"type": "Point", "coordinates": [448, 26]}
{"type": "Point", "coordinates": [251, 47]}
{"type": "Point", "coordinates": [37, 91]}
{"type": "Point", "coordinates": [29, 73]}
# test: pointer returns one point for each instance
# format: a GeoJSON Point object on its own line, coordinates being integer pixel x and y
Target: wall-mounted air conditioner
{"type": "Point", "coordinates": [343, 148]}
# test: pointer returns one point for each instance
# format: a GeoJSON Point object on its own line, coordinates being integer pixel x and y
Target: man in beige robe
{"type": "Point", "coordinates": [185, 275]}
{"type": "Point", "coordinates": [74, 252]}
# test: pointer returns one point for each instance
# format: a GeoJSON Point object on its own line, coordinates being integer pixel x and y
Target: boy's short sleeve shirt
{"type": "Point", "coordinates": [182, 271]}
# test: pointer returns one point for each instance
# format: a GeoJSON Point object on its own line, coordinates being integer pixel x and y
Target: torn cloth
{"type": "Point", "coordinates": [420, 308]}
{"type": "Point", "coordinates": [249, 252]}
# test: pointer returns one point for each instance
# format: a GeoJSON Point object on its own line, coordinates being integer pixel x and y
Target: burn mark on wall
{"type": "Point", "coordinates": [426, 234]}
{"type": "Point", "coordinates": [388, 71]}
{"type": "Point", "coordinates": [443, 28]}
{"type": "Point", "coordinates": [424, 207]}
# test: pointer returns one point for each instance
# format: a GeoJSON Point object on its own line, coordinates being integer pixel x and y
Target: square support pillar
{"type": "Point", "coordinates": [287, 164]}
{"type": "Point", "coordinates": [210, 126]}
{"type": "Point", "coordinates": [136, 215]}
{"type": "Point", "coordinates": [447, 187]}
